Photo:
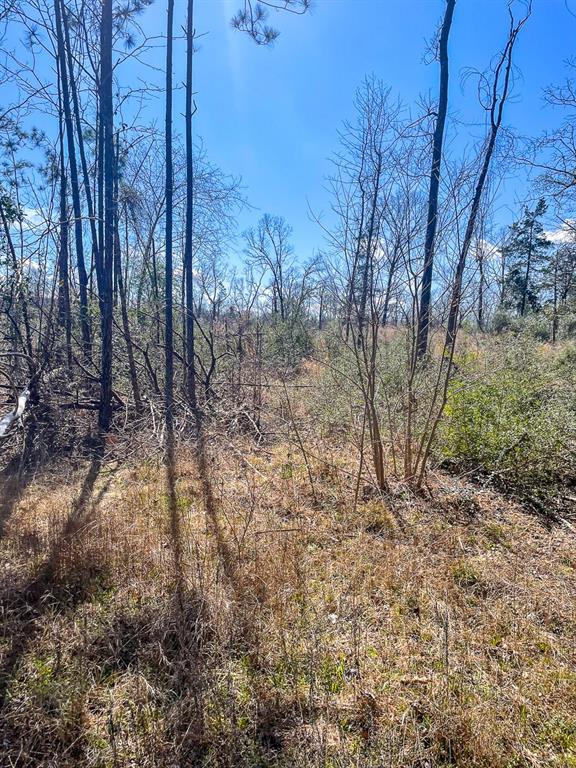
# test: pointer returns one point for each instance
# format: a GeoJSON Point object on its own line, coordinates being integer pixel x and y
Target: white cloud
{"type": "Point", "coordinates": [487, 249]}
{"type": "Point", "coordinates": [565, 233]}
{"type": "Point", "coordinates": [33, 217]}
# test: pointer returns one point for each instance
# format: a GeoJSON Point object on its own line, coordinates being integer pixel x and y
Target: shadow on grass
{"type": "Point", "coordinates": [24, 606]}
{"type": "Point", "coordinates": [12, 486]}
{"type": "Point", "coordinates": [243, 600]}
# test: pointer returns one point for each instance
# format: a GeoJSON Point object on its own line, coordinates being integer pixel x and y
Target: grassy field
{"type": "Point", "coordinates": [294, 619]}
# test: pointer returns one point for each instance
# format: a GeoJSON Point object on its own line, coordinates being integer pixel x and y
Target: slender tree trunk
{"type": "Point", "coordinates": [432, 220]}
{"type": "Point", "coordinates": [100, 197]}
{"type": "Point", "coordinates": [75, 188]}
{"type": "Point", "coordinates": [389, 282]}
{"type": "Point", "coordinates": [555, 301]}
{"type": "Point", "coordinates": [470, 226]}
{"type": "Point", "coordinates": [169, 330]}
{"type": "Point", "coordinates": [18, 285]}
{"type": "Point", "coordinates": [64, 314]}
{"type": "Point", "coordinates": [481, 292]}
{"type": "Point", "coordinates": [106, 171]}
{"type": "Point", "coordinates": [372, 235]}
{"type": "Point", "coordinates": [123, 302]}
{"type": "Point", "coordinates": [350, 301]}
{"type": "Point", "coordinates": [527, 273]}
{"type": "Point", "coordinates": [80, 139]}
{"type": "Point", "coordinates": [504, 70]}
{"type": "Point", "coordinates": [188, 274]}
{"type": "Point", "coordinates": [155, 291]}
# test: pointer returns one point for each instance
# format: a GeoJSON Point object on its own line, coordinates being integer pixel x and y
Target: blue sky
{"type": "Point", "coordinates": [271, 115]}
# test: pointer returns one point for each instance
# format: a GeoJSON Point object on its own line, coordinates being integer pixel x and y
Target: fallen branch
{"type": "Point", "coordinates": [9, 419]}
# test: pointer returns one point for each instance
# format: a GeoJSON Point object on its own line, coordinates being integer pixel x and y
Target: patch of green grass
{"type": "Point", "coordinates": [560, 733]}
{"type": "Point", "coordinates": [496, 534]}
{"type": "Point", "coordinates": [332, 674]}
{"type": "Point", "coordinates": [465, 575]}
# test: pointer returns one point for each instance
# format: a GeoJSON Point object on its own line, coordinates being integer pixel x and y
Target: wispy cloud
{"type": "Point", "coordinates": [565, 233]}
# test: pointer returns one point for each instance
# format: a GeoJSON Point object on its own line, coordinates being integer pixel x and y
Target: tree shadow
{"type": "Point", "coordinates": [12, 485]}
{"type": "Point", "coordinates": [246, 635]}
{"type": "Point", "coordinates": [186, 624]}
{"type": "Point", "coordinates": [26, 604]}
{"type": "Point", "coordinates": [174, 513]}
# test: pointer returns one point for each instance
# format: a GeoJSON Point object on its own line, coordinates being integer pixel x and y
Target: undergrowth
{"type": "Point", "coordinates": [300, 618]}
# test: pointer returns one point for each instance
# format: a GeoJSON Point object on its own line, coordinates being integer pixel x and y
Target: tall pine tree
{"type": "Point", "coordinates": [525, 254]}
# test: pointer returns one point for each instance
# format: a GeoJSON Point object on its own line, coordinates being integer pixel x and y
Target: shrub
{"type": "Point", "coordinates": [535, 326]}
{"type": "Point", "coordinates": [514, 422]}
{"type": "Point", "coordinates": [568, 326]}
{"type": "Point", "coordinates": [502, 321]}
{"type": "Point", "coordinates": [288, 342]}
{"type": "Point", "coordinates": [566, 360]}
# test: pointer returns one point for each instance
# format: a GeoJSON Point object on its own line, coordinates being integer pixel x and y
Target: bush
{"type": "Point", "coordinates": [515, 422]}
{"type": "Point", "coordinates": [568, 326]}
{"type": "Point", "coordinates": [535, 326]}
{"type": "Point", "coordinates": [566, 361]}
{"type": "Point", "coordinates": [288, 342]}
{"type": "Point", "coordinates": [502, 321]}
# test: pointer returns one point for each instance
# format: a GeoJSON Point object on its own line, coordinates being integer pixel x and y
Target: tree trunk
{"type": "Point", "coordinates": [106, 171]}
{"type": "Point", "coordinates": [481, 292]}
{"type": "Point", "coordinates": [432, 220]}
{"type": "Point", "coordinates": [123, 303]}
{"type": "Point", "coordinates": [188, 274]}
{"type": "Point", "coordinates": [527, 273]}
{"type": "Point", "coordinates": [366, 291]}
{"type": "Point", "coordinates": [503, 69]}
{"type": "Point", "coordinates": [64, 314]}
{"type": "Point", "coordinates": [79, 240]}
{"type": "Point", "coordinates": [389, 282]}
{"type": "Point", "coordinates": [555, 301]}
{"type": "Point", "coordinates": [350, 301]}
{"type": "Point", "coordinates": [80, 140]}
{"type": "Point", "coordinates": [169, 330]}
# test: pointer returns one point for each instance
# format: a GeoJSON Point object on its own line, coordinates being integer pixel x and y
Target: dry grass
{"type": "Point", "coordinates": [140, 629]}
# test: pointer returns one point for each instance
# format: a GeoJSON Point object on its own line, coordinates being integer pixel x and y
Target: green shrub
{"type": "Point", "coordinates": [566, 360]}
{"type": "Point", "coordinates": [568, 326]}
{"type": "Point", "coordinates": [288, 342]}
{"type": "Point", "coordinates": [536, 325]}
{"type": "Point", "coordinates": [502, 321]}
{"type": "Point", "coordinates": [515, 422]}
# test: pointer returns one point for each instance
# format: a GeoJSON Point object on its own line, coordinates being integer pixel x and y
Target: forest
{"type": "Point", "coordinates": [280, 499]}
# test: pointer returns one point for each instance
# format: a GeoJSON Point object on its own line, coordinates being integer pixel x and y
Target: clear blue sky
{"type": "Point", "coordinates": [272, 114]}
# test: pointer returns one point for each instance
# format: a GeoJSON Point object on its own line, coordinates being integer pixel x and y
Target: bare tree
{"type": "Point", "coordinates": [268, 247]}
{"type": "Point", "coordinates": [432, 219]}
{"type": "Point", "coordinates": [106, 255]}
{"type": "Point", "coordinates": [498, 92]}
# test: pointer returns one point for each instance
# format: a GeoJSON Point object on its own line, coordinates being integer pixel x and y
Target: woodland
{"type": "Point", "coordinates": [261, 507]}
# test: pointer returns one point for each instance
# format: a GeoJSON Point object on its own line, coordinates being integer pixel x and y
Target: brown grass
{"type": "Point", "coordinates": [276, 631]}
